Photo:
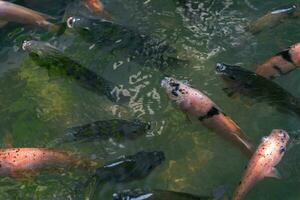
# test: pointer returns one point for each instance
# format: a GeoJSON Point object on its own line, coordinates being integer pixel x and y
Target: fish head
{"type": "Point", "coordinates": [280, 136]}
{"type": "Point", "coordinates": [39, 47]}
{"type": "Point", "coordinates": [33, 46]}
{"type": "Point", "coordinates": [80, 24]}
{"type": "Point", "coordinates": [278, 139]}
{"type": "Point", "coordinates": [134, 129]}
{"type": "Point", "coordinates": [175, 89]}
{"type": "Point", "coordinates": [286, 9]}
{"type": "Point", "coordinates": [146, 162]}
{"type": "Point", "coordinates": [131, 194]}
{"type": "Point", "coordinates": [233, 73]}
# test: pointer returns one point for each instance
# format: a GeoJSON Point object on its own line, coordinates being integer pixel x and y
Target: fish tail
{"type": "Point", "coordinates": [241, 139]}
{"type": "Point", "coordinates": [86, 189]}
{"type": "Point", "coordinates": [220, 193]}
{"type": "Point", "coordinates": [89, 187]}
{"type": "Point", "coordinates": [245, 145]}
{"type": "Point", "coordinates": [87, 164]}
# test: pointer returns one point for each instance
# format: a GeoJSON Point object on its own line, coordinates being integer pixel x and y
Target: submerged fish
{"type": "Point", "coordinates": [201, 108]}
{"type": "Point", "coordinates": [10, 12]}
{"type": "Point", "coordinates": [139, 194]}
{"type": "Point", "coordinates": [273, 18]}
{"type": "Point", "coordinates": [22, 162]}
{"type": "Point", "coordinates": [127, 168]}
{"type": "Point", "coordinates": [56, 61]}
{"type": "Point", "coordinates": [263, 162]}
{"type": "Point", "coordinates": [114, 128]}
{"type": "Point", "coordinates": [280, 64]}
{"type": "Point", "coordinates": [240, 81]}
{"type": "Point", "coordinates": [115, 37]}
{"type": "Point", "coordinates": [97, 7]}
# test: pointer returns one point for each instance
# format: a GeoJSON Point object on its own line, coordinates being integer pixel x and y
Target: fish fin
{"type": "Point", "coordinates": [220, 193]}
{"type": "Point", "coordinates": [188, 118]}
{"type": "Point", "coordinates": [58, 29]}
{"type": "Point", "coordinates": [23, 174]}
{"type": "Point", "coordinates": [3, 23]}
{"type": "Point", "coordinates": [232, 93]}
{"type": "Point", "coordinates": [296, 14]}
{"type": "Point", "coordinates": [53, 28]}
{"type": "Point", "coordinates": [274, 173]}
{"type": "Point", "coordinates": [8, 140]}
{"type": "Point", "coordinates": [233, 122]}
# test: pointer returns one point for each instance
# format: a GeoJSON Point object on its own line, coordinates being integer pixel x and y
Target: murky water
{"type": "Point", "coordinates": [36, 108]}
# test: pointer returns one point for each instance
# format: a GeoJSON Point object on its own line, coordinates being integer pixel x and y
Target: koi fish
{"type": "Point", "coordinates": [242, 82]}
{"type": "Point", "coordinates": [22, 162]}
{"type": "Point", "coordinates": [201, 108]}
{"type": "Point", "coordinates": [280, 64]}
{"type": "Point", "coordinates": [10, 12]}
{"type": "Point", "coordinates": [263, 162]}
{"type": "Point", "coordinates": [273, 18]}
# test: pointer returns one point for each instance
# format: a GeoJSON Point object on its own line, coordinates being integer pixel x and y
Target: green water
{"type": "Point", "coordinates": [36, 108]}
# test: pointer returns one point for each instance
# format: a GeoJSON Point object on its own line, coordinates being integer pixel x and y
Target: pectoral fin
{"type": "Point", "coordinates": [274, 173]}
{"type": "Point", "coordinates": [3, 23]}
{"type": "Point", "coordinates": [8, 141]}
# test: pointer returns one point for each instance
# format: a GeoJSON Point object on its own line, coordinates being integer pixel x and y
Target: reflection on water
{"type": "Point", "coordinates": [36, 107]}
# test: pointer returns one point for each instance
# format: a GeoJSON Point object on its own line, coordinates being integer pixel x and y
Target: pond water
{"type": "Point", "coordinates": [36, 108]}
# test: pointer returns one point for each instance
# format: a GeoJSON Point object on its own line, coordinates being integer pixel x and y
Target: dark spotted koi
{"type": "Point", "coordinates": [263, 162]}
{"type": "Point", "coordinates": [201, 108]}
{"type": "Point", "coordinates": [280, 64]}
{"type": "Point", "coordinates": [23, 162]}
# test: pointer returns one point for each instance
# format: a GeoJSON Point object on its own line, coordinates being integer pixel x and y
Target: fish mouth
{"type": "Point", "coordinates": [219, 69]}
{"type": "Point", "coordinates": [26, 45]}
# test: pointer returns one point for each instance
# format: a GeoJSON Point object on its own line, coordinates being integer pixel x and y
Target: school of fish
{"type": "Point", "coordinates": [257, 85]}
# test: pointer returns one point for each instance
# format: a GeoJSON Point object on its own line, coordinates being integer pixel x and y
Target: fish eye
{"type": "Point", "coordinates": [71, 21]}
{"type": "Point", "coordinates": [282, 149]}
{"type": "Point", "coordinates": [220, 67]}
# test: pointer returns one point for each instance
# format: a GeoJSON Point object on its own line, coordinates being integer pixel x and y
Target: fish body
{"type": "Point", "coordinates": [263, 162]}
{"type": "Point", "coordinates": [19, 162]}
{"type": "Point", "coordinates": [112, 37]}
{"type": "Point", "coordinates": [140, 194]}
{"type": "Point", "coordinates": [201, 108]}
{"type": "Point", "coordinates": [10, 12]}
{"type": "Point", "coordinates": [280, 64]}
{"type": "Point", "coordinates": [130, 167]}
{"type": "Point", "coordinates": [272, 19]}
{"type": "Point", "coordinates": [97, 7]}
{"type": "Point", "coordinates": [114, 128]}
{"type": "Point", "coordinates": [126, 168]}
{"type": "Point", "coordinates": [240, 81]}
{"type": "Point", "coordinates": [48, 56]}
